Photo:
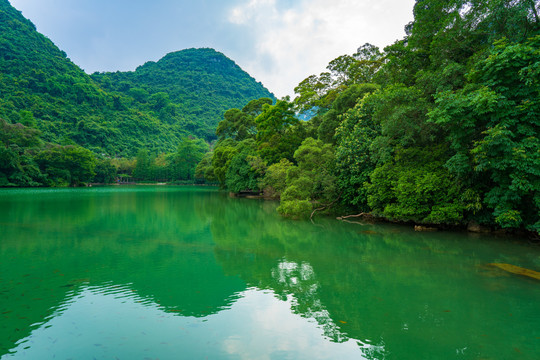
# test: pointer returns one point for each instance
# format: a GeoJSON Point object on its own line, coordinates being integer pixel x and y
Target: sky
{"type": "Point", "coordinates": [278, 42]}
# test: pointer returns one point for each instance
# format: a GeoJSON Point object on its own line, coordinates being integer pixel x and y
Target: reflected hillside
{"type": "Point", "coordinates": [386, 285]}
{"type": "Point", "coordinates": [384, 291]}
{"type": "Point", "coordinates": [156, 242]}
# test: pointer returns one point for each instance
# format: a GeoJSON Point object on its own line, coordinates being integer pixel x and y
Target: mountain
{"type": "Point", "coordinates": [185, 93]}
{"type": "Point", "coordinates": [191, 87]}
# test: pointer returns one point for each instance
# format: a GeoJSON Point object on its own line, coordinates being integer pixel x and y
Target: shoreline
{"type": "Point", "coordinates": [471, 228]}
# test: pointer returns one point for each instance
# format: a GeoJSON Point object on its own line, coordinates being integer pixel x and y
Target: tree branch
{"type": "Point", "coordinates": [351, 216]}
{"type": "Point", "coordinates": [533, 8]}
{"type": "Point", "coordinates": [324, 207]}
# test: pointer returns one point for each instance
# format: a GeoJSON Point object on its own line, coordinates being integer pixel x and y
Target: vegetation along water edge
{"type": "Point", "coordinates": [439, 129]}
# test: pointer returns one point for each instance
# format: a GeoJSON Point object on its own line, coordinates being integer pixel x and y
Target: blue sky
{"type": "Point", "coordinates": [279, 42]}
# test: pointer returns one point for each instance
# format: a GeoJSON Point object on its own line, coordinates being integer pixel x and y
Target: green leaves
{"type": "Point", "coordinates": [245, 170]}
{"type": "Point", "coordinates": [311, 181]}
{"type": "Point", "coordinates": [190, 151]}
{"type": "Point", "coordinates": [416, 187]}
{"type": "Point", "coordinates": [237, 125]}
{"type": "Point", "coordinates": [278, 132]}
{"type": "Point", "coordinates": [223, 153]}
{"type": "Point", "coordinates": [275, 178]}
{"type": "Point", "coordinates": [66, 165]}
{"type": "Point", "coordinates": [320, 92]}
{"type": "Point", "coordinates": [493, 126]}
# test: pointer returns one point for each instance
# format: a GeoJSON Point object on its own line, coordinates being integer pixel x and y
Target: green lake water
{"type": "Point", "coordinates": [189, 273]}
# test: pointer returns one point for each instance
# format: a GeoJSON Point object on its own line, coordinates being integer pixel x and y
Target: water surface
{"type": "Point", "coordinates": [188, 273]}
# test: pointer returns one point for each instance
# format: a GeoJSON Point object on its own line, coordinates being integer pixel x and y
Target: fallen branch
{"type": "Point", "coordinates": [351, 216]}
{"type": "Point", "coordinates": [354, 222]}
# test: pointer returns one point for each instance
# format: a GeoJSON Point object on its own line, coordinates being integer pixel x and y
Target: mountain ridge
{"type": "Point", "coordinates": [185, 76]}
{"type": "Point", "coordinates": [70, 106]}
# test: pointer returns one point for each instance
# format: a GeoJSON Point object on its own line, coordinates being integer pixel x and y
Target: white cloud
{"type": "Point", "coordinates": [299, 41]}
{"type": "Point", "coordinates": [244, 13]}
{"type": "Point", "coordinates": [279, 42]}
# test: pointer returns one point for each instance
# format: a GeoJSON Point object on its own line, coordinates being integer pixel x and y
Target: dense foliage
{"type": "Point", "coordinates": [113, 115]}
{"type": "Point", "coordinates": [26, 161]}
{"type": "Point", "coordinates": [439, 128]}
{"type": "Point", "coordinates": [188, 89]}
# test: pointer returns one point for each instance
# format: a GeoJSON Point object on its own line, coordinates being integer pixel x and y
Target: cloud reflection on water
{"type": "Point", "coordinates": [112, 321]}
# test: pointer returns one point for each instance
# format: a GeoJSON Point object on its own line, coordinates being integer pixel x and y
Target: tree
{"type": "Point", "coordinates": [312, 181]}
{"type": "Point", "coordinates": [139, 94]}
{"type": "Point", "coordinates": [17, 167]}
{"type": "Point", "coordinates": [240, 124]}
{"type": "Point", "coordinates": [243, 174]}
{"type": "Point", "coordinates": [493, 126]}
{"type": "Point", "coordinates": [223, 153]}
{"type": "Point", "coordinates": [275, 178]}
{"type": "Point", "coordinates": [27, 119]}
{"type": "Point", "coordinates": [143, 165]}
{"type": "Point", "coordinates": [18, 134]}
{"type": "Point", "coordinates": [255, 107]}
{"type": "Point", "coordinates": [105, 171]}
{"type": "Point", "coordinates": [278, 133]}
{"type": "Point", "coordinates": [189, 153]}
{"type": "Point", "coordinates": [236, 125]}
{"type": "Point", "coordinates": [319, 92]}
{"type": "Point", "coordinates": [159, 100]}
{"type": "Point", "coordinates": [354, 160]}
{"type": "Point", "coordinates": [414, 185]}
{"type": "Point", "coordinates": [345, 101]}
{"type": "Point", "coordinates": [66, 165]}
{"type": "Point", "coordinates": [204, 172]}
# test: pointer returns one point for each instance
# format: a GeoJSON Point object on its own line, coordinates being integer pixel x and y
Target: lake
{"type": "Point", "coordinates": [158, 272]}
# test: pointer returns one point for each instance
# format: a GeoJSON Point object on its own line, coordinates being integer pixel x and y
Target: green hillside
{"type": "Point", "coordinates": [60, 126]}
{"type": "Point", "coordinates": [190, 88]}
{"type": "Point", "coordinates": [186, 93]}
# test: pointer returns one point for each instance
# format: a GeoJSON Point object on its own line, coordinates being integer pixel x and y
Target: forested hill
{"type": "Point", "coordinates": [186, 93]}
{"type": "Point", "coordinates": [192, 87]}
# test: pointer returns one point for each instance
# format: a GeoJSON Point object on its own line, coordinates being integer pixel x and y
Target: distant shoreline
{"type": "Point", "coordinates": [148, 184]}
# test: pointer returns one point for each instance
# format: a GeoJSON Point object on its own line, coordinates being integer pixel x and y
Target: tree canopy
{"type": "Point", "coordinates": [440, 127]}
